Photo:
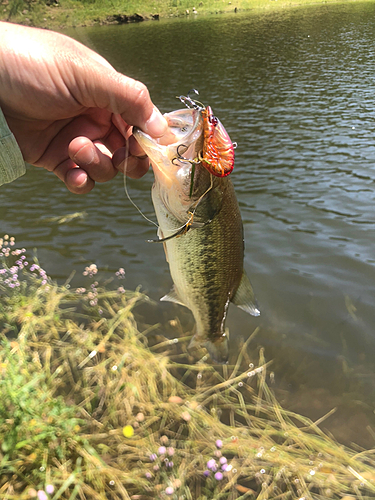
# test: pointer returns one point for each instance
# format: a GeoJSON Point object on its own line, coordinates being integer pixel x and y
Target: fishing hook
{"type": "Point", "coordinates": [179, 156]}
{"type": "Point", "coordinates": [191, 103]}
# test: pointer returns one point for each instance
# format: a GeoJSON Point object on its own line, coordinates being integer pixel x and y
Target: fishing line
{"type": "Point", "coordinates": [126, 187]}
{"type": "Point", "coordinates": [187, 226]}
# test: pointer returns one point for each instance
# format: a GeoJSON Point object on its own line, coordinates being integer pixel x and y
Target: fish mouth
{"type": "Point", "coordinates": [185, 127]}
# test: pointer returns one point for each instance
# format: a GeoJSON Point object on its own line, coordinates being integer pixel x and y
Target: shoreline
{"type": "Point", "coordinates": [62, 14]}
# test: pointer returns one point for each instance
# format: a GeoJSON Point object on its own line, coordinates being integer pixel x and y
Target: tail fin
{"type": "Point", "coordinates": [217, 349]}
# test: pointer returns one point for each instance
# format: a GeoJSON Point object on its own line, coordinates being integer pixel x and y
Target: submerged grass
{"type": "Point", "coordinates": [91, 408]}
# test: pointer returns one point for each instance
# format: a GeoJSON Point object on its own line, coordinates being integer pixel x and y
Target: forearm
{"type": "Point", "coordinates": [12, 164]}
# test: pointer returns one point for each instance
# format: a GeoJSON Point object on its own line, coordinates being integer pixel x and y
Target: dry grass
{"type": "Point", "coordinates": [85, 402]}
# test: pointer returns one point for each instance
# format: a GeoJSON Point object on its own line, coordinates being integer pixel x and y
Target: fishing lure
{"type": "Point", "coordinates": [218, 150]}
{"type": "Point", "coordinates": [217, 155]}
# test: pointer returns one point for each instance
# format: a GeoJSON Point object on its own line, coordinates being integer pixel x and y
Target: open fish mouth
{"type": "Point", "coordinates": [184, 135]}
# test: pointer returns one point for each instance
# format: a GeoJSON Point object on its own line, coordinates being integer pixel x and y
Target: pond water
{"type": "Point", "coordinates": [295, 90]}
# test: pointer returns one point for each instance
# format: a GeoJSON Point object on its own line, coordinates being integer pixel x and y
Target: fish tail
{"type": "Point", "coordinates": [217, 349]}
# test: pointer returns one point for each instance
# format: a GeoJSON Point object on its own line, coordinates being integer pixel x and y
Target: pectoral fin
{"type": "Point", "coordinates": [172, 296]}
{"type": "Point", "coordinates": [244, 297]}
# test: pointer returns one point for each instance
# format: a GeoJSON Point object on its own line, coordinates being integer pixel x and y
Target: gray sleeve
{"type": "Point", "coordinates": [12, 164]}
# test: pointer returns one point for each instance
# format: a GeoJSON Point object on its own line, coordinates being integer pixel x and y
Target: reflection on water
{"type": "Point", "coordinates": [295, 90]}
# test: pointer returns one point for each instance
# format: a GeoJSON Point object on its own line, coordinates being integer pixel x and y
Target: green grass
{"type": "Point", "coordinates": [68, 13]}
{"type": "Point", "coordinates": [86, 399]}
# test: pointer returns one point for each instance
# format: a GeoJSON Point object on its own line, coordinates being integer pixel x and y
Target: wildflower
{"type": "Point", "coordinates": [162, 450]}
{"type": "Point", "coordinates": [50, 489]}
{"type": "Point", "coordinates": [219, 443]}
{"type": "Point", "coordinates": [128, 431]}
{"type": "Point", "coordinates": [153, 457]}
{"type": "Point", "coordinates": [211, 464]}
{"type": "Point", "coordinates": [186, 416]}
{"type": "Point", "coordinates": [90, 270]}
{"type": "Point", "coordinates": [169, 490]}
{"type": "Point", "coordinates": [170, 464]}
{"type": "Point", "coordinates": [223, 460]}
{"type": "Point", "coordinates": [120, 273]}
{"type": "Point", "coordinates": [175, 399]}
{"type": "Point", "coordinates": [224, 467]}
{"type": "Point", "coordinates": [42, 495]}
{"type": "Point", "coordinates": [206, 473]}
{"type": "Point", "coordinates": [170, 451]}
{"type": "Point", "coordinates": [218, 476]}
{"type": "Point", "coordinates": [121, 289]}
{"type": "Point", "coordinates": [148, 475]}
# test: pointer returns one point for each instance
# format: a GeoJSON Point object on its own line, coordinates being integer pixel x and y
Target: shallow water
{"type": "Point", "coordinates": [295, 90]}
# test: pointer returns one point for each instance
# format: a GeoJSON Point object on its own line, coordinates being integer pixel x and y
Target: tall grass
{"type": "Point", "coordinates": [93, 408]}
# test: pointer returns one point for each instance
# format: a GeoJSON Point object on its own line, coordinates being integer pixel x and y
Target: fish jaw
{"type": "Point", "coordinates": [184, 137]}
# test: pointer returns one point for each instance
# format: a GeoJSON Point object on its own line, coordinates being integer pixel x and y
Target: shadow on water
{"type": "Point", "coordinates": [295, 90]}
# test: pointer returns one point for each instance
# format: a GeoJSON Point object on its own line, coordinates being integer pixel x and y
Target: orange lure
{"type": "Point", "coordinates": [218, 149]}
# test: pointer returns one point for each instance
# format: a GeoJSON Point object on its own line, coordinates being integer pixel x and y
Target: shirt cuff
{"type": "Point", "coordinates": [12, 164]}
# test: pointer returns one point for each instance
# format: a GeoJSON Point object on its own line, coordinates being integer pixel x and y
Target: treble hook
{"type": "Point", "coordinates": [182, 158]}
{"type": "Point", "coordinates": [191, 103]}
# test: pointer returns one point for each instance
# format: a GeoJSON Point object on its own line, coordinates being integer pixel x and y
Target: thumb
{"type": "Point", "coordinates": [103, 87]}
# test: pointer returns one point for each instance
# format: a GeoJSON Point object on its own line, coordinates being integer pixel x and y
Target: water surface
{"type": "Point", "coordinates": [295, 90]}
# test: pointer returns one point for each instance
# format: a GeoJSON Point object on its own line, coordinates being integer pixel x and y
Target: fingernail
{"type": "Point", "coordinates": [81, 179]}
{"type": "Point", "coordinates": [156, 125]}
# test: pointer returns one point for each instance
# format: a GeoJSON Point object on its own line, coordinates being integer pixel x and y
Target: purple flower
{"type": "Point", "coordinates": [206, 473]}
{"type": "Point", "coordinates": [219, 443]}
{"type": "Point", "coordinates": [153, 457]}
{"type": "Point", "coordinates": [224, 467]}
{"type": "Point", "coordinates": [223, 460]}
{"type": "Point", "coordinates": [219, 476]}
{"type": "Point", "coordinates": [50, 489]}
{"type": "Point", "coordinates": [42, 495]}
{"type": "Point", "coordinates": [170, 464]}
{"type": "Point", "coordinates": [148, 475]}
{"type": "Point", "coordinates": [211, 464]}
{"type": "Point", "coordinates": [162, 450]}
{"type": "Point", "coordinates": [169, 490]}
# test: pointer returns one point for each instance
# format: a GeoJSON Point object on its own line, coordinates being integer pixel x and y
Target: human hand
{"type": "Point", "coordinates": [70, 111]}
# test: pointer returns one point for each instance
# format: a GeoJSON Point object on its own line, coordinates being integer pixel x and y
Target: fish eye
{"type": "Point", "coordinates": [213, 120]}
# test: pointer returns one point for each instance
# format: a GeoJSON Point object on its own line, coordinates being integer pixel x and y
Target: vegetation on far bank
{"type": "Point", "coordinates": [59, 14]}
{"type": "Point", "coordinates": [93, 408]}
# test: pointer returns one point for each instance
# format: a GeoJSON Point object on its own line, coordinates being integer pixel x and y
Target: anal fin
{"type": "Point", "coordinates": [172, 296]}
{"type": "Point", "coordinates": [244, 297]}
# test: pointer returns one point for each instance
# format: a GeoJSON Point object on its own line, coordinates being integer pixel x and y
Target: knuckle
{"type": "Point", "coordinates": [141, 94]}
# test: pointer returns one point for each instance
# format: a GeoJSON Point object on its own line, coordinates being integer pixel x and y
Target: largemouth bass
{"type": "Point", "coordinates": [200, 226]}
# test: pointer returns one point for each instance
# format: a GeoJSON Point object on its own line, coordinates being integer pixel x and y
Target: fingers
{"type": "Point", "coordinates": [89, 157]}
{"type": "Point", "coordinates": [90, 163]}
{"type": "Point", "coordinates": [77, 181]}
{"type": "Point", "coordinates": [132, 166]}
